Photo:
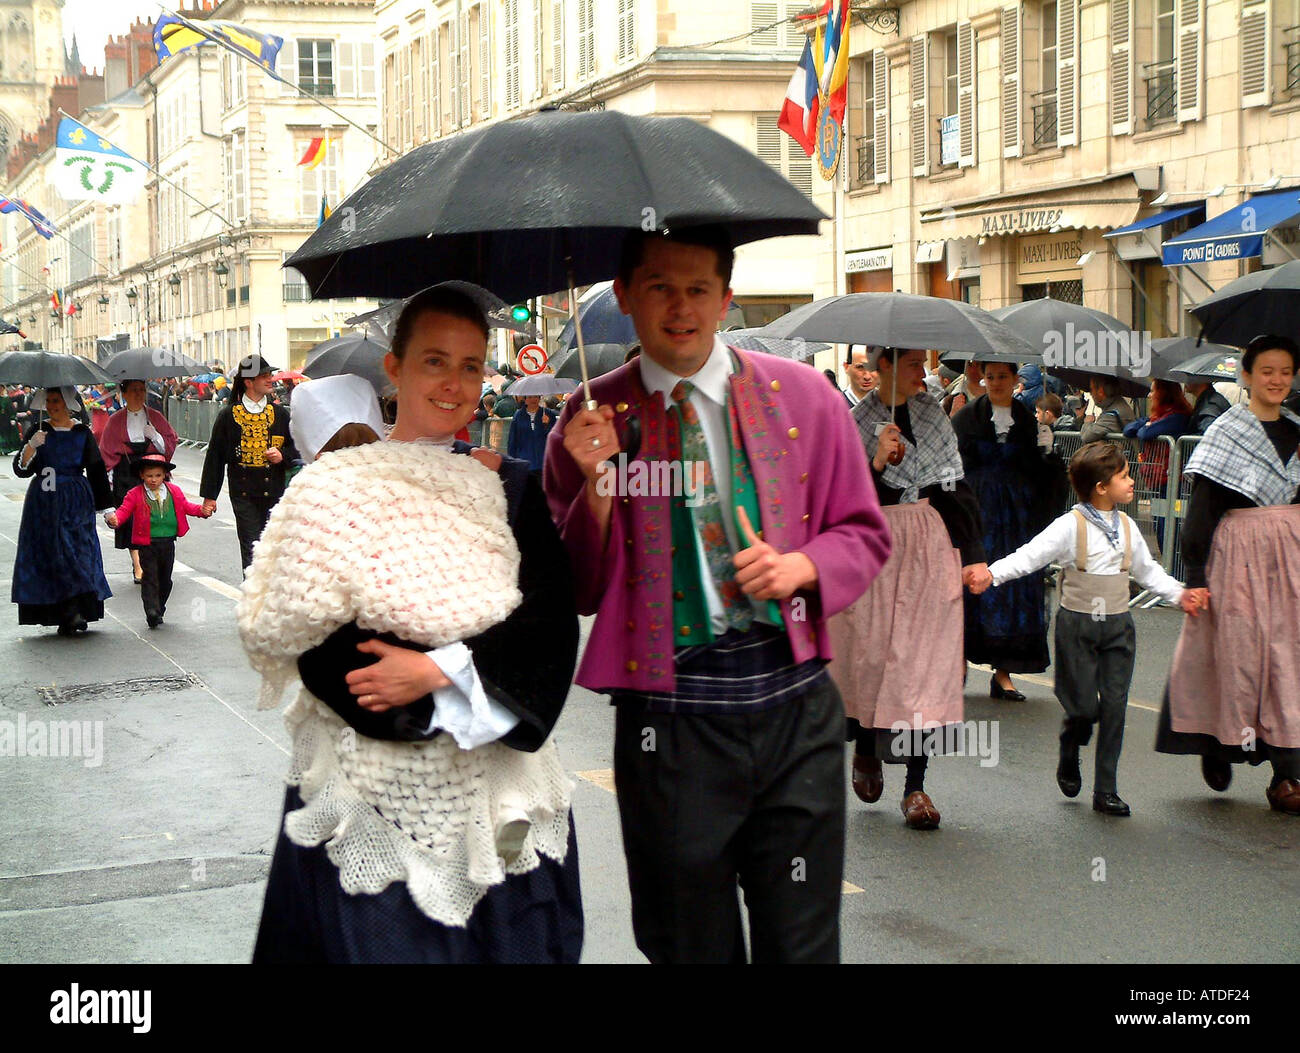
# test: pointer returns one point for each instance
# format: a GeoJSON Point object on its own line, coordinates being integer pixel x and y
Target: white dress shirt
{"type": "Point", "coordinates": [251, 406]}
{"type": "Point", "coordinates": [709, 397]}
{"type": "Point", "coordinates": [1058, 543]}
{"type": "Point", "coordinates": [136, 422]}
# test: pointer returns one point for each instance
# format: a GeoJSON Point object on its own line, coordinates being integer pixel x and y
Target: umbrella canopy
{"type": "Point", "coordinates": [1055, 327]}
{"type": "Point", "coordinates": [905, 321]}
{"type": "Point", "coordinates": [289, 374]}
{"type": "Point", "coordinates": [1264, 302]}
{"type": "Point", "coordinates": [354, 353]}
{"type": "Point", "coordinates": [604, 323]}
{"type": "Point", "coordinates": [47, 369]}
{"type": "Point", "coordinates": [1170, 353]}
{"type": "Point", "coordinates": [751, 340]}
{"type": "Point", "coordinates": [601, 359]}
{"type": "Point", "coordinates": [1212, 366]}
{"type": "Point", "coordinates": [1038, 320]}
{"type": "Point", "coordinates": [145, 363]}
{"type": "Point", "coordinates": [510, 204]}
{"type": "Point", "coordinates": [542, 384]}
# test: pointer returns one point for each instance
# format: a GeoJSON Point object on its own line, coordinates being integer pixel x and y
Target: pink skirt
{"type": "Point", "coordinates": [1236, 673]}
{"type": "Point", "coordinates": [898, 649]}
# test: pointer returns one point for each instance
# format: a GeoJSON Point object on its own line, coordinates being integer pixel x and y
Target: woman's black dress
{"type": "Point", "coordinates": [526, 664]}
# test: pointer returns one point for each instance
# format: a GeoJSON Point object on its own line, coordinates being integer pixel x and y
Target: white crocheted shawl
{"type": "Point", "coordinates": [408, 538]}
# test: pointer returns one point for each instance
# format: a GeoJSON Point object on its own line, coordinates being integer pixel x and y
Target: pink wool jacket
{"type": "Point", "coordinates": [816, 496]}
{"type": "Point", "coordinates": [136, 505]}
{"type": "Point", "coordinates": [113, 443]}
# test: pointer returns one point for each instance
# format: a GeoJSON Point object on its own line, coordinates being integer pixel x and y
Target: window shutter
{"type": "Point", "coordinates": [557, 44]}
{"type": "Point", "coordinates": [434, 46]}
{"type": "Point", "coordinates": [485, 60]}
{"type": "Point", "coordinates": [1191, 59]}
{"type": "Point", "coordinates": [1067, 73]}
{"type": "Point", "coordinates": [626, 29]}
{"type": "Point", "coordinates": [966, 94]}
{"type": "Point", "coordinates": [366, 70]}
{"type": "Point", "coordinates": [287, 66]}
{"type": "Point", "coordinates": [539, 50]}
{"type": "Point", "coordinates": [462, 73]}
{"type": "Point", "coordinates": [799, 168]}
{"type": "Point", "coordinates": [346, 71]}
{"type": "Point", "coordinates": [1011, 99]}
{"type": "Point", "coordinates": [794, 34]}
{"type": "Point", "coordinates": [1256, 69]}
{"type": "Point", "coordinates": [419, 97]}
{"type": "Point", "coordinates": [919, 79]}
{"type": "Point", "coordinates": [404, 95]}
{"type": "Point", "coordinates": [880, 109]}
{"type": "Point", "coordinates": [513, 90]}
{"type": "Point", "coordinates": [769, 141]}
{"type": "Point", "coordinates": [763, 15]}
{"type": "Point", "coordinates": [1121, 67]}
{"type": "Point", "coordinates": [390, 98]}
{"type": "Point", "coordinates": [587, 12]}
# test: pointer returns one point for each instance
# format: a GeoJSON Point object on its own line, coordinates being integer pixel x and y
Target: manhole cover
{"type": "Point", "coordinates": [62, 695]}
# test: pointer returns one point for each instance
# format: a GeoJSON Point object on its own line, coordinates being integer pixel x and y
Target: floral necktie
{"type": "Point", "coordinates": [706, 509]}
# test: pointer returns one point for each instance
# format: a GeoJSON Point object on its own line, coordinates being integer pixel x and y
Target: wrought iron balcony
{"type": "Point", "coordinates": [1044, 111]}
{"type": "Point", "coordinates": [1161, 80]}
{"type": "Point", "coordinates": [865, 147]}
{"type": "Point", "coordinates": [1291, 49]}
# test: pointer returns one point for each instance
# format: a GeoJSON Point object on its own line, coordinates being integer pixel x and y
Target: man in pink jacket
{"type": "Point", "coordinates": [717, 509]}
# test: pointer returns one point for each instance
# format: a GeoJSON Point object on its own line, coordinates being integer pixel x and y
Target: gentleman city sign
{"type": "Point", "coordinates": [830, 140]}
{"type": "Point", "coordinates": [1018, 221]}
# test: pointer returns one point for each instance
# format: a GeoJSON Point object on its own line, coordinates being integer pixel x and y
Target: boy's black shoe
{"type": "Point", "coordinates": [154, 620]}
{"type": "Point", "coordinates": [1216, 773]}
{"type": "Point", "coordinates": [1068, 776]}
{"type": "Point", "coordinates": [1110, 804]}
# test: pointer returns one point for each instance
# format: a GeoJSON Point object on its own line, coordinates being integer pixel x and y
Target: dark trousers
{"type": "Point", "coordinates": [709, 800]}
{"type": "Point", "coordinates": [250, 520]}
{"type": "Point", "coordinates": [1094, 666]}
{"type": "Point", "coordinates": [156, 561]}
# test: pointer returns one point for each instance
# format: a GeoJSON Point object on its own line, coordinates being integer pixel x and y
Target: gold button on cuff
{"type": "Point", "coordinates": [793, 433]}
{"type": "Point", "coordinates": [685, 630]}
{"type": "Point", "coordinates": [631, 625]}
{"type": "Point", "coordinates": [631, 667]}
{"type": "Point", "coordinates": [807, 516]}
{"type": "Point", "coordinates": [776, 385]}
{"type": "Point", "coordinates": [679, 595]}
{"type": "Point", "coordinates": [621, 407]}
{"type": "Point", "coordinates": [803, 478]}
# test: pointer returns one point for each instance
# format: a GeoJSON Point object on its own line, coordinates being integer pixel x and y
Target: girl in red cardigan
{"type": "Point", "coordinates": [157, 512]}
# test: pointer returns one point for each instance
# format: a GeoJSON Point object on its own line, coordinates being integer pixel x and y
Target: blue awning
{"type": "Point", "coordinates": [1236, 234]}
{"type": "Point", "coordinates": [1167, 216]}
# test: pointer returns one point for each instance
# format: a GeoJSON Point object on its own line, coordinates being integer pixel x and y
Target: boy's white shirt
{"type": "Point", "coordinates": [1058, 543]}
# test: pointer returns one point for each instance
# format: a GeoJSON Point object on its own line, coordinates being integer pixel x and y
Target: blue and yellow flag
{"type": "Point", "coordinates": [325, 210]}
{"type": "Point", "coordinates": [172, 35]}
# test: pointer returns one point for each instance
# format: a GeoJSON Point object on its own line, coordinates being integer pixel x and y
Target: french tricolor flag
{"type": "Point", "coordinates": [799, 112]}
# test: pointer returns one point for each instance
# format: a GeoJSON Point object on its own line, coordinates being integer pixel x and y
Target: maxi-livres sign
{"type": "Point", "coordinates": [1019, 221]}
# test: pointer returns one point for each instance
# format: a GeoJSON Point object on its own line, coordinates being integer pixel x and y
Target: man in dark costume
{"type": "Point", "coordinates": [251, 442]}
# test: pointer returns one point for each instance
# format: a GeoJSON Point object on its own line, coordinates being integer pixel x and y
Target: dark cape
{"type": "Point", "coordinates": [1020, 490]}
{"type": "Point", "coordinates": [526, 664]}
{"type": "Point", "coordinates": [58, 568]}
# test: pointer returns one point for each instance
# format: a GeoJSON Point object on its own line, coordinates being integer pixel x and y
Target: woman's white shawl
{"type": "Point", "coordinates": [408, 538]}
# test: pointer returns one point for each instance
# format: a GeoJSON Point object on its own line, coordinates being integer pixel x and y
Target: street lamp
{"type": "Point", "coordinates": [131, 295]}
{"type": "Point", "coordinates": [175, 282]}
{"type": "Point", "coordinates": [222, 272]}
{"type": "Point", "coordinates": [103, 302]}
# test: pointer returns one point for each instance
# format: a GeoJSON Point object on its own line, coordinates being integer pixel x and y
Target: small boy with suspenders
{"type": "Point", "coordinates": [1095, 641]}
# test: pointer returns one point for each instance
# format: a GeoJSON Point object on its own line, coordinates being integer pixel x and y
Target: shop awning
{"type": "Point", "coordinates": [1159, 219]}
{"type": "Point", "coordinates": [1236, 234]}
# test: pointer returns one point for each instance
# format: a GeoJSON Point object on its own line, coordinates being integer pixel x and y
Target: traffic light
{"type": "Point", "coordinates": [521, 313]}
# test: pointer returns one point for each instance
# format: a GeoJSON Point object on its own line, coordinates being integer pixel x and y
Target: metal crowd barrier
{"type": "Point", "coordinates": [193, 419]}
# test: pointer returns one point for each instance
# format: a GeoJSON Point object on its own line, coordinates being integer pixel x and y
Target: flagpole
{"type": "Point", "coordinates": [275, 76]}
{"type": "Point", "coordinates": [151, 168]}
{"type": "Point", "coordinates": [49, 224]}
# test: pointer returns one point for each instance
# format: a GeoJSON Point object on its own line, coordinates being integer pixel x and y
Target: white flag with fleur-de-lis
{"type": "Point", "coordinates": [87, 167]}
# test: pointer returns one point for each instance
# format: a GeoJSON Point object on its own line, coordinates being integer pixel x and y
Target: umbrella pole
{"type": "Point", "coordinates": [588, 403]}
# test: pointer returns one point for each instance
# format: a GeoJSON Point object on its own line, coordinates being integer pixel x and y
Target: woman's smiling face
{"type": "Point", "coordinates": [439, 377]}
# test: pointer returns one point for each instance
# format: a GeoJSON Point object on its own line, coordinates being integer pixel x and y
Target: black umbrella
{"type": "Point", "coordinates": [904, 321]}
{"type": "Point", "coordinates": [1170, 353]}
{"type": "Point", "coordinates": [145, 363]}
{"type": "Point", "coordinates": [529, 206]}
{"type": "Point", "coordinates": [48, 369]}
{"type": "Point", "coordinates": [1264, 302]}
{"type": "Point", "coordinates": [1214, 365]}
{"type": "Point", "coordinates": [354, 353]}
{"type": "Point", "coordinates": [602, 321]}
{"type": "Point", "coordinates": [1076, 343]}
{"type": "Point", "coordinates": [601, 359]}
{"type": "Point", "coordinates": [753, 340]}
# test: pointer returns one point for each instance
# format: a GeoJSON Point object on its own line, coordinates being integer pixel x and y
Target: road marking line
{"type": "Point", "coordinates": [203, 686]}
{"type": "Point", "coordinates": [183, 568]}
{"type": "Point", "coordinates": [225, 522]}
{"type": "Point", "coordinates": [229, 591]}
{"type": "Point", "coordinates": [1136, 703]}
{"type": "Point", "coordinates": [849, 889]}
{"type": "Point", "coordinates": [138, 837]}
{"type": "Point", "coordinates": [602, 777]}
